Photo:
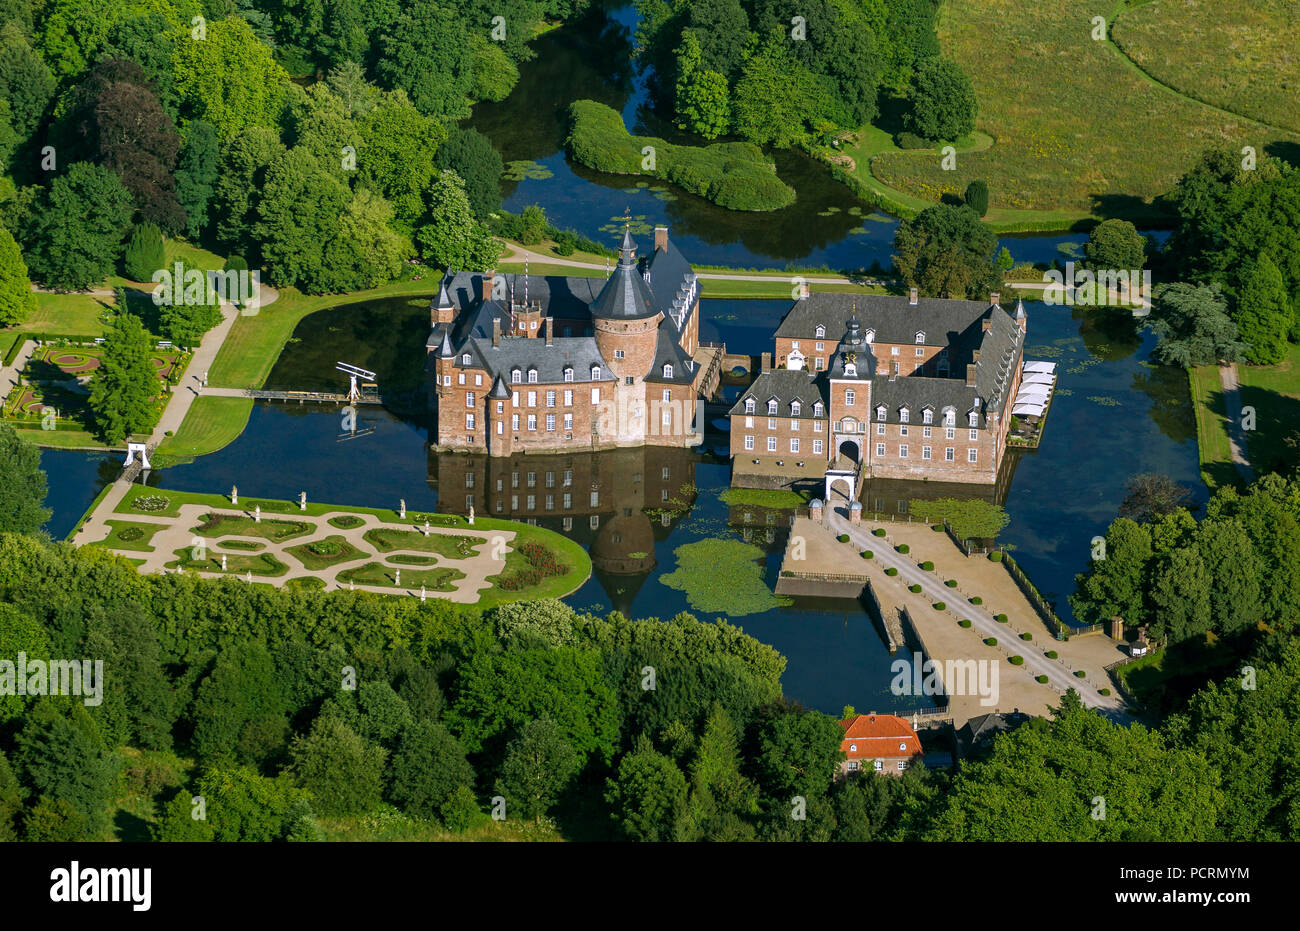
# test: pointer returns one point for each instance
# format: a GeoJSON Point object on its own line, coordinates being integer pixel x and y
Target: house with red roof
{"type": "Point", "coordinates": [883, 743]}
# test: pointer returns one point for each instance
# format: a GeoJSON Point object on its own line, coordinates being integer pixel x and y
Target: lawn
{"type": "Point", "coordinates": [263, 564]}
{"type": "Point", "coordinates": [447, 545]}
{"type": "Point", "coordinates": [324, 553]}
{"type": "Point", "coordinates": [131, 535]}
{"type": "Point", "coordinates": [75, 316]}
{"type": "Point", "coordinates": [1274, 392]}
{"type": "Point", "coordinates": [1211, 427]}
{"type": "Point", "coordinates": [1065, 111]}
{"type": "Point", "coordinates": [1234, 55]}
{"type": "Point", "coordinates": [237, 525]}
{"type": "Point", "coordinates": [210, 424]}
{"type": "Point", "coordinates": [255, 340]}
{"type": "Point", "coordinates": [376, 573]}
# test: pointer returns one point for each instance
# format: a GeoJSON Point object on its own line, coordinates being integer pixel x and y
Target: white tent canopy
{"type": "Point", "coordinates": [1038, 378]}
{"type": "Point", "coordinates": [1029, 409]}
{"type": "Point", "coordinates": [1047, 367]}
{"type": "Point", "coordinates": [1037, 392]}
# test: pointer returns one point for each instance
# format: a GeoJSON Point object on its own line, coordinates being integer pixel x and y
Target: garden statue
{"type": "Point", "coordinates": [422, 593]}
{"type": "Point", "coordinates": [257, 513]}
{"type": "Point", "coordinates": [223, 562]}
{"type": "Point", "coordinates": [403, 514]}
{"type": "Point", "coordinates": [302, 500]}
{"type": "Point", "coordinates": [397, 579]}
{"type": "Point", "coordinates": [234, 494]}
{"type": "Point", "coordinates": [471, 515]}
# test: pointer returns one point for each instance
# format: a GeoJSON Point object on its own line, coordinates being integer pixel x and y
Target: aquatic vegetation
{"type": "Point", "coordinates": [723, 577]}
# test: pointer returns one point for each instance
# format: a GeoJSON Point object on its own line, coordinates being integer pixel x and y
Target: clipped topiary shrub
{"type": "Point", "coordinates": [927, 566]}
{"type": "Point", "coordinates": [879, 531]}
{"type": "Point", "coordinates": [991, 641]}
{"type": "Point", "coordinates": [995, 556]}
{"type": "Point", "coordinates": [1016, 660]}
{"type": "Point", "coordinates": [866, 554]}
{"type": "Point", "coordinates": [904, 548]}
{"type": "Point", "coordinates": [951, 583]}
{"type": "Point", "coordinates": [1042, 679]}
{"type": "Point", "coordinates": [1080, 673]}
{"type": "Point", "coordinates": [977, 600]}
{"type": "Point", "coordinates": [914, 589]}
{"type": "Point", "coordinates": [891, 571]}
{"type": "Point", "coordinates": [843, 538]}
{"type": "Point", "coordinates": [964, 622]}
{"type": "Point", "coordinates": [940, 606]}
{"type": "Point", "coordinates": [1051, 654]}
{"type": "Point", "coordinates": [1026, 636]}
{"type": "Point", "coordinates": [1000, 618]}
{"type": "Point", "coordinates": [1103, 691]}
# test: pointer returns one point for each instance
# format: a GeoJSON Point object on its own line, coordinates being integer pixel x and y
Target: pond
{"type": "Point", "coordinates": [1115, 415]}
{"type": "Point", "coordinates": [826, 226]}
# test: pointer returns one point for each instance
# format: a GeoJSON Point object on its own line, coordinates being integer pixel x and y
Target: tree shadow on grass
{"type": "Point", "coordinates": [1277, 419]}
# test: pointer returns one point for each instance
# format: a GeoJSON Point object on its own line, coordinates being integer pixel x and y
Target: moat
{"type": "Point", "coordinates": [1116, 415]}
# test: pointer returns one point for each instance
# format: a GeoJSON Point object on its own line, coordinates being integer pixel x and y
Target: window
{"type": "Point", "coordinates": [595, 499]}
{"type": "Point", "coordinates": [821, 331]}
{"type": "Point", "coordinates": [771, 444]}
{"type": "Point", "coordinates": [666, 416]}
{"type": "Point", "coordinates": [794, 344]}
{"type": "Point", "coordinates": [927, 416]}
{"type": "Point", "coordinates": [568, 422]}
{"type": "Point", "coordinates": [949, 417]}
{"type": "Point", "coordinates": [532, 502]}
{"type": "Point", "coordinates": [880, 429]}
{"type": "Point", "coordinates": [568, 398]}
{"type": "Point", "coordinates": [903, 415]}
{"type": "Point", "coordinates": [926, 432]}
{"type": "Point", "coordinates": [628, 380]}
{"type": "Point", "coordinates": [667, 396]}
{"type": "Point", "coordinates": [478, 380]}
{"type": "Point", "coordinates": [464, 360]}
{"type": "Point", "coordinates": [817, 447]}
{"type": "Point", "coordinates": [550, 479]}
{"type": "Point", "coordinates": [532, 399]}
{"type": "Point", "coordinates": [595, 395]}
{"type": "Point", "coordinates": [514, 421]}
{"type": "Point", "coordinates": [532, 479]}
{"type": "Point", "coordinates": [853, 766]}
{"type": "Point", "coordinates": [567, 500]}
{"type": "Point", "coordinates": [821, 364]}
{"type": "Point", "coordinates": [880, 413]}
{"type": "Point", "coordinates": [619, 354]}
{"type": "Point", "coordinates": [500, 428]}
{"type": "Point", "coordinates": [550, 399]}
{"type": "Point", "coordinates": [568, 373]}
{"type": "Point", "coordinates": [817, 408]}
{"type": "Point", "coordinates": [971, 454]}
{"type": "Point", "coordinates": [849, 397]}
{"type": "Point", "coordinates": [795, 407]}
{"type": "Point", "coordinates": [550, 423]}
{"type": "Point", "coordinates": [817, 426]}
{"type": "Point", "coordinates": [920, 337]}
{"type": "Point", "coordinates": [925, 452]}
{"type": "Point", "coordinates": [446, 381]}
{"type": "Point", "coordinates": [771, 423]}
{"type": "Point", "coordinates": [514, 398]}
{"type": "Point", "coordinates": [973, 418]}
{"type": "Point", "coordinates": [949, 433]}
{"type": "Point", "coordinates": [893, 350]}
{"type": "Point", "coordinates": [668, 370]}
{"type": "Point", "coordinates": [749, 442]}
{"type": "Point", "coordinates": [902, 451]}
{"type": "Point", "coordinates": [879, 765]}
{"type": "Point", "coordinates": [749, 405]}
{"type": "Point", "coordinates": [920, 352]}
{"type": "Point", "coordinates": [794, 425]}
{"type": "Point", "coordinates": [749, 421]}
{"type": "Point", "coordinates": [948, 454]}
{"type": "Point", "coordinates": [469, 421]}
{"type": "Point", "coordinates": [771, 406]}
{"type": "Point", "coordinates": [974, 435]}
{"type": "Point", "coordinates": [871, 336]}
{"type": "Point", "coordinates": [501, 407]}
{"type": "Point", "coordinates": [532, 376]}
{"type": "Point", "coordinates": [880, 450]}
{"type": "Point", "coordinates": [794, 445]}
{"type": "Point", "coordinates": [515, 376]}
{"type": "Point", "coordinates": [902, 430]}
{"type": "Point", "coordinates": [902, 765]}
{"type": "Point", "coordinates": [460, 379]}
{"type": "Point", "coordinates": [532, 421]}
{"type": "Point", "coordinates": [595, 373]}
{"type": "Point", "coordinates": [469, 398]}
{"type": "Point", "coordinates": [821, 347]}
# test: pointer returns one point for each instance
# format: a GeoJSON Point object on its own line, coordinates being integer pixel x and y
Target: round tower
{"type": "Point", "coordinates": [626, 325]}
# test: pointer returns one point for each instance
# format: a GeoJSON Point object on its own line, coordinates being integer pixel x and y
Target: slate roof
{"type": "Point", "coordinates": [805, 387]}
{"type": "Point", "coordinates": [915, 392]}
{"type": "Point", "coordinates": [892, 318]}
{"type": "Point", "coordinates": [668, 350]}
{"type": "Point", "coordinates": [550, 361]}
{"type": "Point", "coordinates": [625, 296]}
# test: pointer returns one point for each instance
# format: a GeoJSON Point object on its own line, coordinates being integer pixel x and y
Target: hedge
{"type": "Point", "coordinates": [15, 347]}
{"type": "Point", "coordinates": [734, 175]}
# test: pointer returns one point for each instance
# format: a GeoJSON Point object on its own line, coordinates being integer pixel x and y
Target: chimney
{"type": "Point", "coordinates": [661, 238]}
{"type": "Point", "coordinates": [986, 325]}
{"type": "Point", "coordinates": [767, 362]}
{"type": "Point", "coordinates": [970, 375]}
{"type": "Point", "coordinates": [912, 296]}
{"type": "Point", "coordinates": [496, 332]}
{"type": "Point", "coordinates": [547, 324]}
{"type": "Point", "coordinates": [485, 285]}
{"type": "Point", "coordinates": [995, 298]}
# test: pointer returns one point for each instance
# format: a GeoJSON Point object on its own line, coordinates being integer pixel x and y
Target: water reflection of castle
{"type": "Point", "coordinates": [618, 503]}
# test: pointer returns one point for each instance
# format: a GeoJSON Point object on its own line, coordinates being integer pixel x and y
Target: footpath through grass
{"type": "Point", "coordinates": [1212, 442]}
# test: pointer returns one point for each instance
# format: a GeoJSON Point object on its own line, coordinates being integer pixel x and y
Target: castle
{"type": "Point", "coordinates": [881, 387]}
{"type": "Point", "coordinates": [524, 364]}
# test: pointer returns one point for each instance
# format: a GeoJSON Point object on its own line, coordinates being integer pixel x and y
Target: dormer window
{"type": "Point", "coordinates": [871, 336]}
{"type": "Point", "coordinates": [920, 337]}
{"type": "Point", "coordinates": [949, 417]}
{"type": "Point", "coordinates": [749, 405]}
{"type": "Point", "coordinates": [821, 331]}
{"type": "Point", "coordinates": [515, 376]}
{"type": "Point", "coordinates": [568, 373]}
{"type": "Point", "coordinates": [464, 360]}
{"type": "Point", "coordinates": [817, 408]}
{"type": "Point", "coordinates": [880, 413]}
{"type": "Point", "coordinates": [902, 415]}
{"type": "Point", "coordinates": [771, 406]}
{"type": "Point", "coordinates": [668, 370]}
{"type": "Point", "coordinates": [595, 373]}
{"type": "Point", "coordinates": [532, 376]}
{"type": "Point", "coordinates": [974, 418]}
{"type": "Point", "coordinates": [795, 407]}
{"type": "Point", "coordinates": [927, 416]}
